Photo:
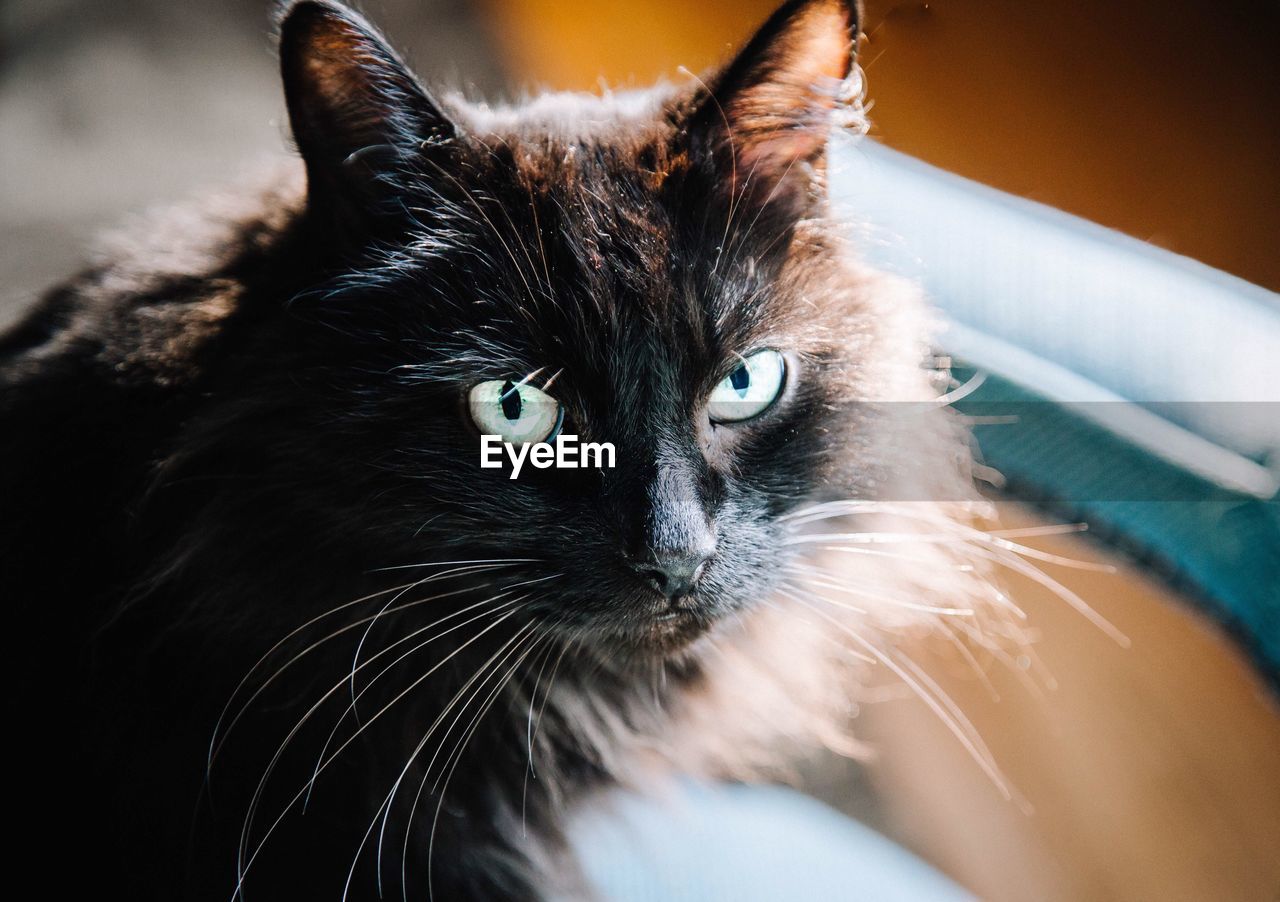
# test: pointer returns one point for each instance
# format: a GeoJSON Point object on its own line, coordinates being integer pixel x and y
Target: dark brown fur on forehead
{"type": "Point", "coordinates": [676, 207]}
{"type": "Point", "coordinates": [653, 229]}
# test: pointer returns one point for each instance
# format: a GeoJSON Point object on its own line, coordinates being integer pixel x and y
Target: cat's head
{"type": "Point", "coordinates": [654, 270]}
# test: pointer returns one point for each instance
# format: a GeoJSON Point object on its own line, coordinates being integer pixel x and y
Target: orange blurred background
{"type": "Point", "coordinates": [1160, 118]}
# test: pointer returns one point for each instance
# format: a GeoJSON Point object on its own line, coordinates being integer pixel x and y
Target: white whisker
{"type": "Point", "coordinates": [246, 865]}
{"type": "Point", "coordinates": [976, 749]}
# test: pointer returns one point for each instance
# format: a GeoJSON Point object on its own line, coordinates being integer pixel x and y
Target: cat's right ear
{"type": "Point", "coordinates": [765, 119]}
{"type": "Point", "coordinates": [358, 115]}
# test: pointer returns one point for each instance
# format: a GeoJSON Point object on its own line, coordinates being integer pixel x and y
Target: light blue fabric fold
{"type": "Point", "coordinates": [745, 844]}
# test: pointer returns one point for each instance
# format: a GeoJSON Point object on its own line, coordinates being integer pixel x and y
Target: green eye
{"type": "Point", "coordinates": [749, 390]}
{"type": "Point", "coordinates": [518, 413]}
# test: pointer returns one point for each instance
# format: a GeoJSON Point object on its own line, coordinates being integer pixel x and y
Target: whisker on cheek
{"type": "Point", "coordinates": [246, 863]}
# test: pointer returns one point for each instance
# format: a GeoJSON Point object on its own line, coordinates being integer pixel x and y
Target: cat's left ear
{"type": "Point", "coordinates": [769, 113]}
{"type": "Point", "coordinates": [358, 115]}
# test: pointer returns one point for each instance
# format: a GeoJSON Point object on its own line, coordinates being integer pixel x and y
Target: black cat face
{"type": "Point", "coordinates": [630, 270]}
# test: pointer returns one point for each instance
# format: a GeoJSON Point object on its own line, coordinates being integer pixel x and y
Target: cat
{"type": "Point", "coordinates": [275, 631]}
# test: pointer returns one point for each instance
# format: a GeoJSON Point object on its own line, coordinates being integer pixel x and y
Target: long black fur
{"type": "Point", "coordinates": [251, 414]}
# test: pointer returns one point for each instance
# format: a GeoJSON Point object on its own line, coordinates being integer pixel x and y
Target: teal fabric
{"type": "Point", "coordinates": [1219, 544]}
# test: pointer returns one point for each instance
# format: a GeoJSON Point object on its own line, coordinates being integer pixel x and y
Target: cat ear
{"type": "Point", "coordinates": [356, 112]}
{"type": "Point", "coordinates": [769, 113]}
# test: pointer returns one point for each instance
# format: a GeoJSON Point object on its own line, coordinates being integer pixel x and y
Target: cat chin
{"type": "Point", "coordinates": [675, 631]}
{"type": "Point", "coordinates": [671, 635]}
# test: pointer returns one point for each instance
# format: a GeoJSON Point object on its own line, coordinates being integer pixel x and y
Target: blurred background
{"type": "Point", "coordinates": [1160, 118]}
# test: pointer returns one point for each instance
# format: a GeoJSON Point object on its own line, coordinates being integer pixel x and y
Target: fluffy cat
{"type": "Point", "coordinates": [278, 635]}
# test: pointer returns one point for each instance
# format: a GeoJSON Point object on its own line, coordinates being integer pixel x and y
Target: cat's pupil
{"type": "Point", "coordinates": [510, 400]}
{"type": "Point", "coordinates": [740, 379]}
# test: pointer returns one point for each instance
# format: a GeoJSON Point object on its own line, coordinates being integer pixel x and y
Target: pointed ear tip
{"type": "Point", "coordinates": [847, 13]}
{"type": "Point", "coordinates": [850, 11]}
{"type": "Point", "coordinates": [295, 19]}
{"type": "Point", "coordinates": [829, 28]}
{"type": "Point", "coordinates": [817, 36]}
{"type": "Point", "coordinates": [285, 12]}
{"type": "Point", "coordinates": [298, 18]}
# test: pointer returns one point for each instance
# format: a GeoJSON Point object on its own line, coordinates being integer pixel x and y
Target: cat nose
{"type": "Point", "coordinates": [675, 573]}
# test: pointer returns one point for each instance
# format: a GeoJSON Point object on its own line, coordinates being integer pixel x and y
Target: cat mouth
{"type": "Point", "coordinates": [675, 627]}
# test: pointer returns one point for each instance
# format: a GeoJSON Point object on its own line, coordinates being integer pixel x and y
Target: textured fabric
{"type": "Point", "coordinates": [1220, 544]}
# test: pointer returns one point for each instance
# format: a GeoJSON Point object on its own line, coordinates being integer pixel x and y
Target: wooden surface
{"type": "Point", "coordinates": [1152, 772]}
